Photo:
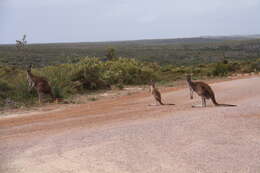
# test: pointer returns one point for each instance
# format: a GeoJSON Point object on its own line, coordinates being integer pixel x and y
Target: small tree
{"type": "Point", "coordinates": [21, 44]}
{"type": "Point", "coordinates": [110, 54]}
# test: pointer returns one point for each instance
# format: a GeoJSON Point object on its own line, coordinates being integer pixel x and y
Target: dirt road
{"type": "Point", "coordinates": [125, 135]}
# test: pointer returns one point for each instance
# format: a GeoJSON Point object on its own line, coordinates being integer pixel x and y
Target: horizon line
{"type": "Point", "coordinates": [129, 40]}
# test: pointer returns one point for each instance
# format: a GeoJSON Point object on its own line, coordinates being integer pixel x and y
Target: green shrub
{"type": "Point", "coordinates": [220, 69]}
{"type": "Point", "coordinates": [255, 66]}
{"type": "Point", "coordinates": [128, 71]}
{"type": "Point", "coordinates": [4, 87]}
{"type": "Point", "coordinates": [4, 90]}
{"type": "Point", "coordinates": [120, 86]}
{"type": "Point", "coordinates": [59, 78]}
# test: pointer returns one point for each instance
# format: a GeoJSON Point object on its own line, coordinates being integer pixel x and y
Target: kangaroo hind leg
{"type": "Point", "coordinates": [203, 103]}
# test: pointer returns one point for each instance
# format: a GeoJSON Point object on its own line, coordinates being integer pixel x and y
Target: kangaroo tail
{"type": "Point", "coordinates": [227, 105]}
{"type": "Point", "coordinates": [214, 100]}
{"type": "Point", "coordinates": [160, 101]}
{"type": "Point", "coordinates": [218, 104]}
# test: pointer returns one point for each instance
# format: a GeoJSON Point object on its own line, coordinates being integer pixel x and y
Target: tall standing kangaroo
{"type": "Point", "coordinates": [156, 94]}
{"type": "Point", "coordinates": [39, 83]}
{"type": "Point", "coordinates": [204, 91]}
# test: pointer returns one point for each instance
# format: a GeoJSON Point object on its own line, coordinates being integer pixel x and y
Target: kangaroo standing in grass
{"type": "Point", "coordinates": [39, 83]}
{"type": "Point", "coordinates": [204, 91]}
{"type": "Point", "coordinates": [156, 94]}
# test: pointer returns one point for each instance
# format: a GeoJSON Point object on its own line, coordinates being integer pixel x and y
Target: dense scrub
{"type": "Point", "coordinates": [93, 74]}
{"type": "Point", "coordinates": [190, 51]}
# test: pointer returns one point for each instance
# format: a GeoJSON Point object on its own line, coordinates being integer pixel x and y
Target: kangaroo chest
{"type": "Point", "coordinates": [151, 89]}
{"type": "Point", "coordinates": [30, 80]}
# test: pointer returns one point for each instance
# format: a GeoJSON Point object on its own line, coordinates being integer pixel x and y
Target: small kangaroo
{"type": "Point", "coordinates": [156, 94]}
{"type": "Point", "coordinates": [39, 83]}
{"type": "Point", "coordinates": [204, 91]}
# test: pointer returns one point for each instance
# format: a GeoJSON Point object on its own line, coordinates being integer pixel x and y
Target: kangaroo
{"type": "Point", "coordinates": [156, 94]}
{"type": "Point", "coordinates": [39, 83]}
{"type": "Point", "coordinates": [204, 91]}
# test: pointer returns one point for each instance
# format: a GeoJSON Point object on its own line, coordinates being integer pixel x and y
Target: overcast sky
{"type": "Point", "coordinates": [106, 20]}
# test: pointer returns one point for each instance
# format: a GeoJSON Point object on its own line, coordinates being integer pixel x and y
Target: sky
{"type": "Point", "coordinates": [48, 21]}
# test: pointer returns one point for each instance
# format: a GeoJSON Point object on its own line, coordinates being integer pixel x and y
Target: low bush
{"type": "Point", "coordinates": [220, 69]}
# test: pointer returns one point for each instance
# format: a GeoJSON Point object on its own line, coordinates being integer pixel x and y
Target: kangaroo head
{"type": "Point", "coordinates": [188, 77]}
{"type": "Point", "coordinates": [152, 83]}
{"type": "Point", "coordinates": [29, 68]}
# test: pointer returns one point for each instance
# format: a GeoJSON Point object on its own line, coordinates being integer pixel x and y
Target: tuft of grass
{"type": "Point", "coordinates": [92, 99]}
{"type": "Point", "coordinates": [120, 86]}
